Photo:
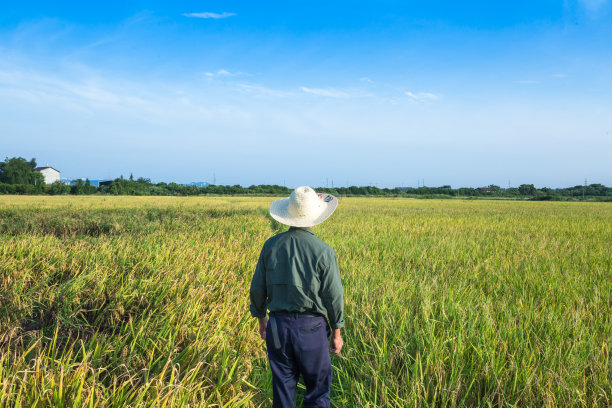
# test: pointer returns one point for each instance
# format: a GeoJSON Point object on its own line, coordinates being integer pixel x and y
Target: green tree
{"type": "Point", "coordinates": [527, 189]}
{"type": "Point", "coordinates": [78, 187]}
{"type": "Point", "coordinates": [18, 170]}
{"type": "Point", "coordinates": [58, 188]}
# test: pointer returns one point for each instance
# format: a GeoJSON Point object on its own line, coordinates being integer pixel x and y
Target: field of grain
{"type": "Point", "coordinates": [143, 301]}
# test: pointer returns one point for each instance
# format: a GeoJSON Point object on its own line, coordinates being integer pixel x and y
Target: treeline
{"type": "Point", "coordinates": [529, 191]}
{"type": "Point", "coordinates": [18, 176]}
{"type": "Point", "coordinates": [144, 187]}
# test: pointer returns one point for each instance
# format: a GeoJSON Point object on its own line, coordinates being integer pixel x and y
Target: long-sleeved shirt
{"type": "Point", "coordinates": [297, 272]}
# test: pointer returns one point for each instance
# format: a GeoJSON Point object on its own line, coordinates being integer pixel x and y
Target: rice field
{"type": "Point", "coordinates": [143, 301]}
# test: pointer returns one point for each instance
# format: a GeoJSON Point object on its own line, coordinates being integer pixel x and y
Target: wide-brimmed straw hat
{"type": "Point", "coordinates": [303, 208]}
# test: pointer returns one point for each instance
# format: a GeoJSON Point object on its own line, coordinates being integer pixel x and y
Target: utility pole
{"type": "Point", "coordinates": [214, 179]}
{"type": "Point", "coordinates": [584, 188]}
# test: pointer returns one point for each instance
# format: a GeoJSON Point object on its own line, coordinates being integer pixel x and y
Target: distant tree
{"type": "Point", "coordinates": [142, 180]}
{"type": "Point", "coordinates": [78, 188]}
{"type": "Point", "coordinates": [513, 191]}
{"type": "Point", "coordinates": [18, 170]}
{"type": "Point", "coordinates": [89, 188]}
{"type": "Point", "coordinates": [58, 188]}
{"type": "Point", "coordinates": [527, 189]}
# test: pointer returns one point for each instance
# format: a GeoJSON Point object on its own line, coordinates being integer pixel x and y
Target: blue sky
{"type": "Point", "coordinates": [293, 92]}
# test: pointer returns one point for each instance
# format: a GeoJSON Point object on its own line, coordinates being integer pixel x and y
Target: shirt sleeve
{"type": "Point", "coordinates": [331, 292]}
{"type": "Point", "coordinates": [258, 289]}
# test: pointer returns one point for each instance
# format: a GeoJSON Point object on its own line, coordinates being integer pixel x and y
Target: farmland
{"type": "Point", "coordinates": [143, 301]}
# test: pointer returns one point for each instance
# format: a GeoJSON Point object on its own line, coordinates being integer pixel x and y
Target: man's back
{"type": "Point", "coordinates": [298, 273]}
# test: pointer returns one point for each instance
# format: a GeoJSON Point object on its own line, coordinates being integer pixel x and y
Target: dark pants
{"type": "Point", "coordinates": [304, 349]}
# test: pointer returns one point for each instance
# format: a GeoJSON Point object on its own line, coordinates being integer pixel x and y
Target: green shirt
{"type": "Point", "coordinates": [297, 272]}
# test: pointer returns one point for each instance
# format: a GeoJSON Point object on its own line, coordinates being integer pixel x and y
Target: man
{"type": "Point", "coordinates": [298, 281]}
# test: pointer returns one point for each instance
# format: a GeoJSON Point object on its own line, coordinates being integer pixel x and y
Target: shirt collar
{"type": "Point", "coordinates": [305, 229]}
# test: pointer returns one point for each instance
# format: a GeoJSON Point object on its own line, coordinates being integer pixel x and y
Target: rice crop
{"type": "Point", "coordinates": [143, 301]}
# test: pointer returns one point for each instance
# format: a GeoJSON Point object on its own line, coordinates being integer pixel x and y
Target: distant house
{"type": "Point", "coordinates": [50, 174]}
{"type": "Point", "coordinates": [486, 189]}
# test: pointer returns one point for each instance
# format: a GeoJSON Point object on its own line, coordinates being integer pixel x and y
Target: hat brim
{"type": "Point", "coordinates": [279, 210]}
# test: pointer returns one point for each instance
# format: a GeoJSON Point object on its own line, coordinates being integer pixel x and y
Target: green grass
{"type": "Point", "coordinates": [143, 301]}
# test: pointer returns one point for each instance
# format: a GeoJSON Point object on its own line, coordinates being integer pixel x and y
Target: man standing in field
{"type": "Point", "coordinates": [298, 281]}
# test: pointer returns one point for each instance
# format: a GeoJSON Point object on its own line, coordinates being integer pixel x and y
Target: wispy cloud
{"type": "Point", "coordinates": [223, 73]}
{"type": "Point", "coordinates": [527, 82]}
{"type": "Point", "coordinates": [209, 14]}
{"type": "Point", "coordinates": [559, 75]}
{"type": "Point", "coordinates": [84, 96]}
{"type": "Point", "coordinates": [592, 5]}
{"type": "Point", "coordinates": [260, 90]}
{"type": "Point", "coordinates": [366, 79]}
{"type": "Point", "coordinates": [420, 96]}
{"type": "Point", "coordinates": [330, 93]}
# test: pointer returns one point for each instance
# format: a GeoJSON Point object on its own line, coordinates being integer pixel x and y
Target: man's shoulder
{"type": "Point", "coordinates": [273, 239]}
{"type": "Point", "coordinates": [325, 245]}
{"type": "Point", "coordinates": [322, 246]}
{"type": "Point", "coordinates": [308, 239]}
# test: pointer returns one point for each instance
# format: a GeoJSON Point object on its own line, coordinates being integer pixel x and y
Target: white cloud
{"type": "Point", "coordinates": [223, 73]}
{"type": "Point", "coordinates": [208, 14]}
{"type": "Point", "coordinates": [260, 90]}
{"type": "Point", "coordinates": [330, 93]}
{"type": "Point", "coordinates": [366, 79]}
{"type": "Point", "coordinates": [421, 96]}
{"type": "Point", "coordinates": [559, 75]}
{"type": "Point", "coordinates": [87, 96]}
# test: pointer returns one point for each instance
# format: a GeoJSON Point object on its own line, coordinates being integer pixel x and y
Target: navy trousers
{"type": "Point", "coordinates": [303, 349]}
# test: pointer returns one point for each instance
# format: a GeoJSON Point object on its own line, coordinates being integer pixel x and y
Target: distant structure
{"type": "Point", "coordinates": [95, 183]}
{"type": "Point", "coordinates": [198, 184]}
{"type": "Point", "coordinates": [50, 174]}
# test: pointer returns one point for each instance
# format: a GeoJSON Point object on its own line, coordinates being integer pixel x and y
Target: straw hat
{"type": "Point", "coordinates": [303, 208]}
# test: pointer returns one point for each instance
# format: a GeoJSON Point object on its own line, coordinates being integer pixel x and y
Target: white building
{"type": "Point", "coordinates": [51, 175]}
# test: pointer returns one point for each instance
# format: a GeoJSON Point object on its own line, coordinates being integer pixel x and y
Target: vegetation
{"type": "Point", "coordinates": [18, 171]}
{"type": "Point", "coordinates": [143, 187]}
{"type": "Point", "coordinates": [143, 301]}
{"type": "Point", "coordinates": [17, 176]}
